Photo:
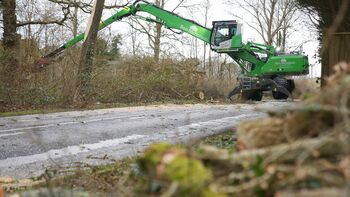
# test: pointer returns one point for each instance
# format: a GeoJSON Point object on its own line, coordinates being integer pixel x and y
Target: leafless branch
{"type": "Point", "coordinates": [85, 7]}
{"type": "Point", "coordinates": [66, 12]}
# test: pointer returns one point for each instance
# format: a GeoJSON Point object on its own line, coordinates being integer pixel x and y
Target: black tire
{"type": "Point", "coordinates": [257, 96]}
{"type": "Point", "coordinates": [284, 83]}
{"type": "Point", "coordinates": [291, 85]}
{"type": "Point", "coordinates": [246, 95]}
{"type": "Point", "coordinates": [253, 95]}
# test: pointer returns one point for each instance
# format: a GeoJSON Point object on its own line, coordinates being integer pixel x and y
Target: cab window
{"type": "Point", "coordinates": [224, 32]}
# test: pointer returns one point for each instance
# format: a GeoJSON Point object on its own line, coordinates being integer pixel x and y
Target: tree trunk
{"type": "Point", "coordinates": [10, 43]}
{"type": "Point", "coordinates": [204, 55]}
{"type": "Point", "coordinates": [284, 39]}
{"type": "Point", "coordinates": [10, 37]}
{"type": "Point", "coordinates": [210, 65]}
{"type": "Point", "coordinates": [85, 87]}
{"type": "Point", "coordinates": [196, 48]}
{"type": "Point", "coordinates": [133, 34]}
{"type": "Point", "coordinates": [75, 21]}
{"type": "Point", "coordinates": [221, 74]}
{"type": "Point", "coordinates": [157, 41]}
{"type": "Point", "coordinates": [207, 6]}
{"type": "Point", "coordinates": [336, 52]}
{"type": "Point", "coordinates": [270, 23]}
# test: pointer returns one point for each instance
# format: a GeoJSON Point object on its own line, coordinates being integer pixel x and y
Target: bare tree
{"type": "Point", "coordinates": [158, 33]}
{"type": "Point", "coordinates": [86, 6]}
{"type": "Point", "coordinates": [10, 42]}
{"type": "Point", "coordinates": [10, 37]}
{"type": "Point", "coordinates": [155, 33]}
{"type": "Point", "coordinates": [207, 6]}
{"type": "Point", "coordinates": [75, 20]}
{"type": "Point", "coordinates": [11, 24]}
{"type": "Point", "coordinates": [85, 88]}
{"type": "Point", "coordinates": [134, 39]}
{"type": "Point", "coordinates": [270, 17]}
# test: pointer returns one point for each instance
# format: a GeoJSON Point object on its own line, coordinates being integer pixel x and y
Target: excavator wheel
{"type": "Point", "coordinates": [253, 95]}
{"type": "Point", "coordinates": [291, 85]}
{"type": "Point", "coordinates": [287, 84]}
{"type": "Point", "coordinates": [257, 96]}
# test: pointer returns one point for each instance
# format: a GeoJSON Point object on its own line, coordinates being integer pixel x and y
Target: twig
{"type": "Point", "coordinates": [172, 190]}
{"type": "Point", "coordinates": [243, 187]}
{"type": "Point", "coordinates": [325, 192]}
{"type": "Point", "coordinates": [325, 146]}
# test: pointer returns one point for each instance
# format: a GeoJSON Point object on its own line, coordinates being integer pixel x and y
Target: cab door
{"type": "Point", "coordinates": [226, 36]}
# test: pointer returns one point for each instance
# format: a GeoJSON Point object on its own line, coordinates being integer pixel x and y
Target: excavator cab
{"type": "Point", "coordinates": [226, 36]}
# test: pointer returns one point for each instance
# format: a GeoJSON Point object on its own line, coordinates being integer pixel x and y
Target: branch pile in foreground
{"type": "Point", "coordinates": [300, 151]}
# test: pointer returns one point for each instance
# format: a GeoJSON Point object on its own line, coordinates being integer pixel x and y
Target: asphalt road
{"type": "Point", "coordinates": [30, 144]}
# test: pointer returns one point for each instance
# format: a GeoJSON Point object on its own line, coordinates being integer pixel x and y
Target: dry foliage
{"type": "Point", "coordinates": [300, 151]}
{"type": "Point", "coordinates": [125, 80]}
{"type": "Point", "coordinates": [305, 87]}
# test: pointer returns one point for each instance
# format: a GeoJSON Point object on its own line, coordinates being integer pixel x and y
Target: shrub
{"type": "Point", "coordinates": [305, 87]}
{"type": "Point", "coordinates": [123, 80]}
{"type": "Point", "coordinates": [144, 80]}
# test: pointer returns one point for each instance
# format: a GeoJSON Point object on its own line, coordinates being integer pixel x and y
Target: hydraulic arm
{"type": "Point", "coordinates": [168, 19]}
{"type": "Point", "coordinates": [263, 69]}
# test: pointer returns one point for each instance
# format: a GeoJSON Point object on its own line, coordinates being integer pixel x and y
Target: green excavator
{"type": "Point", "coordinates": [263, 69]}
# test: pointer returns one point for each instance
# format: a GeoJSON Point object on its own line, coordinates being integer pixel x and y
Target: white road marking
{"type": "Point", "coordinates": [11, 134]}
{"type": "Point", "coordinates": [68, 151]}
{"type": "Point", "coordinates": [135, 117]}
{"type": "Point", "coordinates": [191, 129]}
{"type": "Point", "coordinates": [62, 124]}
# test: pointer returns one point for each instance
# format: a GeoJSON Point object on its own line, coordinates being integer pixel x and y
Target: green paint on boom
{"type": "Point", "coordinates": [168, 19]}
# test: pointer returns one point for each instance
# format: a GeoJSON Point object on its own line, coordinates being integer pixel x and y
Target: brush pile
{"type": "Point", "coordinates": [300, 151]}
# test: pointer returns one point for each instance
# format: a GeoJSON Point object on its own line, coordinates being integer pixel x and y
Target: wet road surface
{"type": "Point", "coordinates": [30, 144]}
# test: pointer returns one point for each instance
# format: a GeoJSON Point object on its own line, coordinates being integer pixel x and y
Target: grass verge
{"type": "Point", "coordinates": [30, 110]}
{"type": "Point", "coordinates": [121, 178]}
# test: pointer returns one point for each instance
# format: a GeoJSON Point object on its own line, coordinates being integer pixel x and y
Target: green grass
{"type": "Point", "coordinates": [31, 112]}
{"type": "Point", "coordinates": [47, 109]}
{"type": "Point", "coordinates": [223, 141]}
{"type": "Point", "coordinates": [100, 180]}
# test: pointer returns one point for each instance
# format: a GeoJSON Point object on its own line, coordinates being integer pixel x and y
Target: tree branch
{"type": "Point", "coordinates": [85, 7]}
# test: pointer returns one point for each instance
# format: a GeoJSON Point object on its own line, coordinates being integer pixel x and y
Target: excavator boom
{"type": "Point", "coordinates": [263, 69]}
{"type": "Point", "coordinates": [168, 19]}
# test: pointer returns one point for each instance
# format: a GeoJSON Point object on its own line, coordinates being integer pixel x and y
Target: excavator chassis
{"type": "Point", "coordinates": [252, 88]}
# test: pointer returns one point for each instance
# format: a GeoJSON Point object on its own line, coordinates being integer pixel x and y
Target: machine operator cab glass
{"type": "Point", "coordinates": [226, 36]}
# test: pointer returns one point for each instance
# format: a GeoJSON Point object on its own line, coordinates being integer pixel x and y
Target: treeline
{"type": "Point", "coordinates": [149, 71]}
{"type": "Point", "coordinates": [117, 77]}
